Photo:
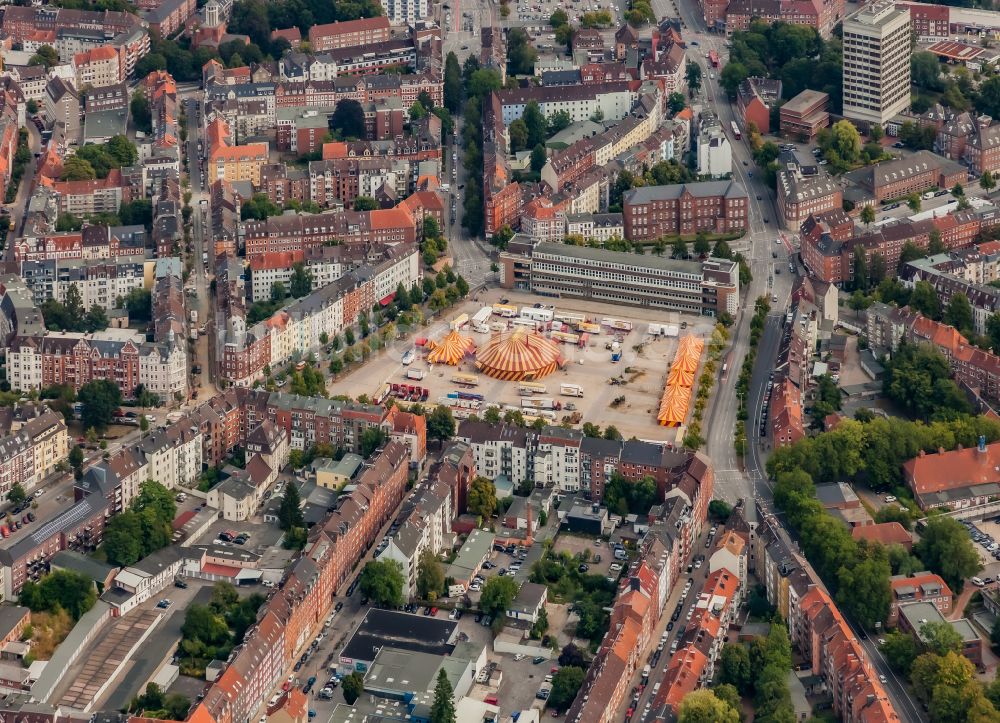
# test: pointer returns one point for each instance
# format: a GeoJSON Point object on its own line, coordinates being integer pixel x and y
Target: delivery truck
{"type": "Point", "coordinates": [571, 390]}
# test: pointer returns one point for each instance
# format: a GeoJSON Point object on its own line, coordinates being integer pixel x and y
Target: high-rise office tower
{"type": "Point", "coordinates": [877, 62]}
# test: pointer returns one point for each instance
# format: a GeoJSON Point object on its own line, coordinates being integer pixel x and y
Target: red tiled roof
{"type": "Point", "coordinates": [929, 473]}
{"type": "Point", "coordinates": [887, 533]}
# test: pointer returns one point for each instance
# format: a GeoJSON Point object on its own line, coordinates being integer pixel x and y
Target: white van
{"type": "Point", "coordinates": [978, 581]}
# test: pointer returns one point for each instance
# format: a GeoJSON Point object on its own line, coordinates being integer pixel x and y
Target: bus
{"type": "Point", "coordinates": [526, 389]}
{"type": "Point", "coordinates": [713, 58]}
{"type": "Point", "coordinates": [468, 380]}
{"type": "Point", "coordinates": [736, 131]}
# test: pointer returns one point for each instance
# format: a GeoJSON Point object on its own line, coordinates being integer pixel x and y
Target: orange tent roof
{"type": "Point", "coordinates": [518, 355]}
{"type": "Point", "coordinates": [451, 350]}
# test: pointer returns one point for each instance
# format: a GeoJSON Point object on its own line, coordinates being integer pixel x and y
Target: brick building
{"type": "Point", "coordinates": [713, 206]}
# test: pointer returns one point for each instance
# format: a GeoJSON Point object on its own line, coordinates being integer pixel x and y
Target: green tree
{"type": "Point", "coordinates": [934, 243]}
{"type": "Point", "coordinates": [535, 124]}
{"type": "Point", "coordinates": [290, 511]}
{"type": "Point", "coordinates": [452, 83]}
{"type": "Point", "coordinates": [76, 456]}
{"type": "Point", "coordinates": [371, 439]}
{"type": "Point", "coordinates": [443, 707]}
{"type": "Point", "coordinates": [353, 686]}
{"type": "Point", "coordinates": [958, 313]}
{"type": "Point", "coordinates": [900, 649]}
{"type": "Point", "coordinates": [863, 588]}
{"type": "Point", "coordinates": [702, 706]}
{"type": "Point", "coordinates": [987, 182]}
{"type": "Point", "coordinates": [566, 684]}
{"type": "Point", "coordinates": [100, 399]}
{"type": "Point", "coordinates": [482, 497]}
{"type": "Point", "coordinates": [441, 424]}
{"type": "Point", "coordinates": [301, 281]}
{"type": "Point", "coordinates": [17, 495]}
{"type": "Point", "coordinates": [521, 54]}
{"type": "Point", "coordinates": [45, 55]}
{"type": "Point", "coordinates": [60, 590]}
{"type": "Point", "coordinates": [77, 169]}
{"type": "Point", "coordinates": [278, 292]}
{"type": "Point", "coordinates": [538, 158]}
{"type": "Point", "coordinates": [945, 547]}
{"type": "Point", "coordinates": [382, 581]}
{"type": "Point", "coordinates": [497, 595]}
{"type": "Point", "coordinates": [868, 215]}
{"type": "Point", "coordinates": [734, 667]}
{"type": "Point", "coordinates": [430, 576]}
{"type": "Point", "coordinates": [676, 102]}
{"type": "Point", "coordinates": [365, 203]}
{"type": "Point", "coordinates": [348, 119]}
{"type": "Point", "coordinates": [732, 75]}
{"type": "Point", "coordinates": [925, 300]}
{"type": "Point", "coordinates": [692, 76]}
{"type": "Point", "coordinates": [141, 113]}
{"type": "Point", "coordinates": [941, 638]}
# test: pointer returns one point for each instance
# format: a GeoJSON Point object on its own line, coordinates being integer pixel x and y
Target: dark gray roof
{"type": "Point", "coordinates": [705, 189]}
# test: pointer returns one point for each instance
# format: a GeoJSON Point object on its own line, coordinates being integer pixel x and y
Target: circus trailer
{"type": "Point", "coordinates": [383, 393]}
{"type": "Point", "coordinates": [526, 389]}
{"type": "Point", "coordinates": [571, 390]}
{"type": "Point", "coordinates": [480, 321]}
{"type": "Point", "coordinates": [588, 327]}
{"type": "Point", "coordinates": [565, 338]}
{"type": "Point", "coordinates": [459, 321]}
{"type": "Point", "coordinates": [568, 318]}
{"type": "Point", "coordinates": [543, 316]}
{"type": "Point", "coordinates": [539, 404]}
{"type": "Point", "coordinates": [504, 310]}
{"type": "Point", "coordinates": [416, 373]}
{"type": "Point", "coordinates": [617, 324]}
{"type": "Point", "coordinates": [468, 380]}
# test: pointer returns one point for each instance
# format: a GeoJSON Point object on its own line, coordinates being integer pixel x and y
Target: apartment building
{"type": "Point", "coordinates": [949, 274]}
{"type": "Point", "coordinates": [815, 624]}
{"type": "Point", "coordinates": [707, 287]}
{"type": "Point", "coordinates": [349, 34]}
{"type": "Point", "coordinates": [325, 264]}
{"type": "Point", "coordinates": [62, 108]}
{"type": "Point", "coordinates": [821, 15]}
{"type": "Point", "coordinates": [876, 63]}
{"type": "Point", "coordinates": [41, 360]}
{"type": "Point", "coordinates": [233, 163]}
{"type": "Point", "coordinates": [296, 231]}
{"type": "Point", "coordinates": [612, 100]}
{"type": "Point", "coordinates": [715, 154]}
{"type": "Point", "coordinates": [785, 412]}
{"type": "Point", "coordinates": [35, 441]}
{"type": "Point", "coordinates": [712, 206]}
{"type": "Point", "coordinates": [99, 67]}
{"type": "Point", "coordinates": [569, 462]}
{"type": "Point", "coordinates": [912, 174]}
{"type": "Point", "coordinates": [244, 353]}
{"type": "Point", "coordinates": [755, 97]}
{"type": "Point", "coordinates": [596, 226]}
{"type": "Point", "coordinates": [95, 196]}
{"type": "Point", "coordinates": [98, 282]}
{"type": "Point", "coordinates": [919, 587]}
{"type": "Point", "coordinates": [802, 194]}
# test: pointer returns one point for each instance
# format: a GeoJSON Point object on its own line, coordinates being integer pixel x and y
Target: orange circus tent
{"type": "Point", "coordinates": [677, 393]}
{"type": "Point", "coordinates": [674, 406]}
{"type": "Point", "coordinates": [680, 377]}
{"type": "Point", "coordinates": [451, 350]}
{"type": "Point", "coordinates": [519, 355]}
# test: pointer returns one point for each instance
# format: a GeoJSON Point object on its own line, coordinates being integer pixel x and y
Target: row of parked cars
{"type": "Point", "coordinates": [991, 546]}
